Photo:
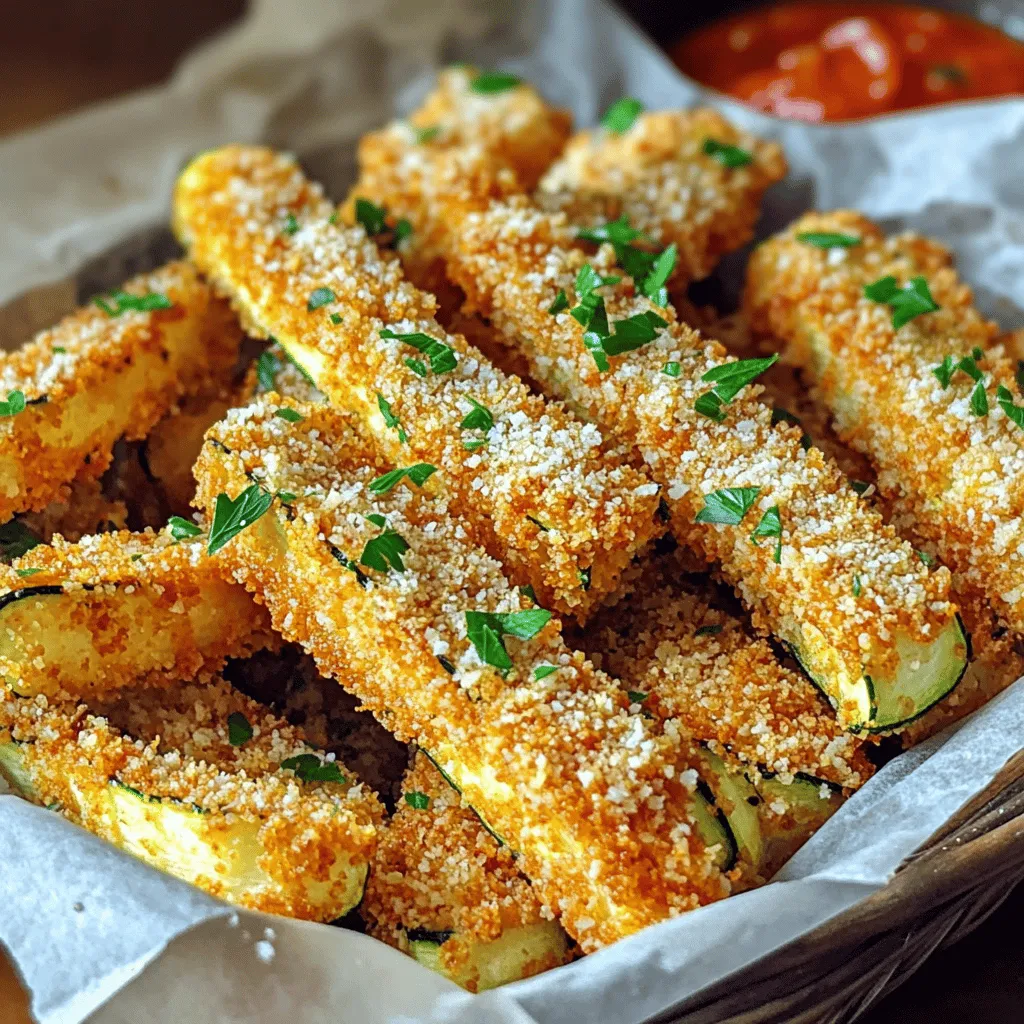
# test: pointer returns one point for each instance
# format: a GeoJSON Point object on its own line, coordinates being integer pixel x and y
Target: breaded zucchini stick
{"type": "Point", "coordinates": [659, 175]}
{"type": "Point", "coordinates": [443, 890]}
{"type": "Point", "coordinates": [193, 781]}
{"type": "Point", "coordinates": [932, 401]}
{"type": "Point", "coordinates": [68, 395]}
{"type": "Point", "coordinates": [535, 487]}
{"type": "Point", "coordinates": [590, 794]}
{"type": "Point", "coordinates": [121, 609]}
{"type": "Point", "coordinates": [82, 510]}
{"type": "Point", "coordinates": [729, 473]}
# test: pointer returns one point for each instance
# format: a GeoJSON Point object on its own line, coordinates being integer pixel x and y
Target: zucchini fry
{"type": "Point", "coordinates": [590, 794]}
{"type": "Point", "coordinates": [882, 660]}
{"type": "Point", "coordinates": [170, 777]}
{"type": "Point", "coordinates": [100, 374]}
{"type": "Point", "coordinates": [443, 890]}
{"type": "Point", "coordinates": [659, 176]}
{"type": "Point", "coordinates": [118, 610]}
{"type": "Point", "coordinates": [536, 488]}
{"type": "Point", "coordinates": [932, 402]}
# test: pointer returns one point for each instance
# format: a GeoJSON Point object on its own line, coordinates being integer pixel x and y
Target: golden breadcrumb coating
{"type": "Point", "coordinates": [121, 609]}
{"type": "Point", "coordinates": [658, 176]}
{"type": "Point", "coordinates": [700, 665]}
{"type": "Point", "coordinates": [593, 796]}
{"type": "Point", "coordinates": [541, 494]}
{"type": "Point", "coordinates": [512, 260]}
{"type": "Point", "coordinates": [95, 377]}
{"type": "Point", "coordinates": [273, 843]}
{"type": "Point", "coordinates": [954, 476]}
{"type": "Point", "coordinates": [82, 510]}
{"type": "Point", "coordinates": [439, 870]}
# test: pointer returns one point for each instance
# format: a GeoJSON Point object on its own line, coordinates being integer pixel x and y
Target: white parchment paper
{"type": "Point", "coordinates": [83, 203]}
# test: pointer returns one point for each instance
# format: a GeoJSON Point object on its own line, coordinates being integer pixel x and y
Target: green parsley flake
{"type": "Point", "coordinates": [441, 357]}
{"type": "Point", "coordinates": [906, 302]}
{"type": "Point", "coordinates": [390, 419]}
{"type": "Point", "coordinates": [828, 239]}
{"type": "Point", "coordinates": [417, 801]}
{"type": "Point", "coordinates": [671, 369]}
{"type": "Point", "coordinates": [385, 551]}
{"type": "Point", "coordinates": [730, 378]}
{"type": "Point", "coordinates": [232, 516]}
{"type": "Point", "coordinates": [926, 558]}
{"type": "Point", "coordinates": [543, 671]}
{"type": "Point", "coordinates": [268, 366]}
{"type": "Point", "coordinates": [309, 768]}
{"type": "Point", "coordinates": [633, 332]}
{"type": "Point", "coordinates": [726, 155]}
{"type": "Point", "coordinates": [15, 403]}
{"type": "Point", "coordinates": [654, 284]}
{"type": "Point", "coordinates": [641, 264]}
{"type": "Point", "coordinates": [636, 696]}
{"type": "Point", "coordinates": [291, 225]}
{"type": "Point", "coordinates": [712, 629]}
{"type": "Point", "coordinates": [945, 370]}
{"type": "Point", "coordinates": [27, 572]}
{"type": "Point", "coordinates": [239, 729]}
{"type": "Point", "coordinates": [770, 526]}
{"type": "Point", "coordinates": [418, 474]}
{"type": "Point", "coordinates": [182, 529]}
{"type": "Point", "coordinates": [622, 115]}
{"type": "Point", "coordinates": [979, 400]}
{"type": "Point", "coordinates": [561, 302]}
{"type": "Point", "coordinates": [584, 575]}
{"type": "Point", "coordinates": [427, 134]}
{"type": "Point", "coordinates": [320, 297]}
{"type": "Point", "coordinates": [336, 318]}
{"type": "Point", "coordinates": [118, 302]}
{"type": "Point", "coordinates": [491, 82]}
{"type": "Point", "coordinates": [528, 591]}
{"type": "Point", "coordinates": [860, 487]}
{"type": "Point", "coordinates": [290, 415]}
{"type": "Point", "coordinates": [479, 418]}
{"type": "Point", "coordinates": [1005, 399]}
{"type": "Point", "coordinates": [728, 505]}
{"type": "Point", "coordinates": [473, 443]}
{"type": "Point", "coordinates": [59, 349]}
{"type": "Point", "coordinates": [857, 589]}
{"type": "Point", "coordinates": [416, 365]}
{"type": "Point", "coordinates": [710, 405]}
{"type": "Point", "coordinates": [286, 496]}
{"type": "Point", "coordinates": [372, 217]}
{"type": "Point", "coordinates": [486, 632]}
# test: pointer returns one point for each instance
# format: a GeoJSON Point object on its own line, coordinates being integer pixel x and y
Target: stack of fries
{"type": "Point", "coordinates": [631, 610]}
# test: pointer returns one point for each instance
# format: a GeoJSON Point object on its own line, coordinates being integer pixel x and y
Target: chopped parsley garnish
{"type": "Point", "coordinates": [780, 415]}
{"type": "Point", "coordinates": [441, 357]}
{"type": "Point", "coordinates": [906, 302]}
{"type": "Point", "coordinates": [979, 400]}
{"type": "Point", "coordinates": [290, 415]}
{"type": "Point", "coordinates": [729, 379]}
{"type": "Point", "coordinates": [654, 284]}
{"type": "Point", "coordinates": [118, 302]}
{"type": "Point", "coordinates": [728, 506]}
{"type": "Point", "coordinates": [239, 729]}
{"type": "Point", "coordinates": [1005, 399]}
{"type": "Point", "coordinates": [860, 486]}
{"type": "Point", "coordinates": [416, 365]}
{"type": "Point", "coordinates": [403, 229]}
{"type": "Point", "coordinates": [770, 526]}
{"type": "Point", "coordinates": [945, 370]}
{"type": "Point", "coordinates": [527, 589]}
{"type": "Point", "coordinates": [390, 419]}
{"type": "Point", "coordinates": [473, 443]}
{"type": "Point", "coordinates": [291, 225]}
{"type": "Point", "coordinates": [320, 297]}
{"type": "Point", "coordinates": [182, 529]}
{"type": "Point", "coordinates": [671, 369]}
{"type": "Point", "coordinates": [286, 496]}
{"type": "Point", "coordinates": [371, 216]}
{"type": "Point", "coordinates": [486, 632]}
{"type": "Point", "coordinates": [926, 558]}
{"type": "Point", "coordinates": [336, 318]}
{"type": "Point", "coordinates": [621, 115]}
{"type": "Point", "coordinates": [590, 308]}
{"type": "Point", "coordinates": [584, 575]}
{"type": "Point", "coordinates": [59, 349]}
{"type": "Point", "coordinates": [561, 302]}
{"type": "Point", "coordinates": [479, 418]}
{"type": "Point", "coordinates": [418, 474]}
{"type": "Point", "coordinates": [385, 551]}
{"type": "Point", "coordinates": [417, 801]}
{"type": "Point", "coordinates": [650, 270]}
{"type": "Point", "coordinates": [427, 134]}
{"type": "Point", "coordinates": [232, 516]}
{"type": "Point", "coordinates": [636, 696]}
{"type": "Point", "coordinates": [543, 671]}
{"type": "Point", "coordinates": [309, 768]}
{"type": "Point", "coordinates": [27, 572]}
{"type": "Point", "coordinates": [633, 332]}
{"type": "Point", "coordinates": [15, 403]}
{"type": "Point", "coordinates": [494, 81]}
{"type": "Point", "coordinates": [268, 366]}
{"type": "Point", "coordinates": [16, 539]}
{"type": "Point", "coordinates": [828, 239]}
{"type": "Point", "coordinates": [710, 630]}
{"type": "Point", "coordinates": [727, 155]}
{"type": "Point", "coordinates": [856, 586]}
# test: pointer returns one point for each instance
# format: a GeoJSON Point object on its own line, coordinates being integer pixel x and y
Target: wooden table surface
{"type": "Point", "coordinates": [57, 57]}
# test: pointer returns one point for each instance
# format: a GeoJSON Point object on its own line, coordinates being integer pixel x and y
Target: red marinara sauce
{"type": "Point", "coordinates": [842, 61]}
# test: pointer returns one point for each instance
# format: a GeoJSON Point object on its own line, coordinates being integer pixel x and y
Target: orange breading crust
{"type": "Point", "coordinates": [122, 609]}
{"type": "Point", "coordinates": [82, 510]}
{"type": "Point", "coordinates": [437, 868]}
{"type": "Point", "coordinates": [512, 259]}
{"type": "Point", "coordinates": [174, 746]}
{"type": "Point", "coordinates": [93, 378]}
{"type": "Point", "coordinates": [701, 665]}
{"type": "Point", "coordinates": [542, 494]}
{"type": "Point", "coordinates": [956, 477]}
{"type": "Point", "coordinates": [657, 174]}
{"type": "Point", "coordinates": [593, 796]}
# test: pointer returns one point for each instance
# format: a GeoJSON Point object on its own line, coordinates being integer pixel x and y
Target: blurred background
{"type": "Point", "coordinates": [59, 56]}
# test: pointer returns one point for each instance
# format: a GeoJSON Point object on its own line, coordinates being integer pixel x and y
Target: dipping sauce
{"type": "Point", "coordinates": [842, 61]}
